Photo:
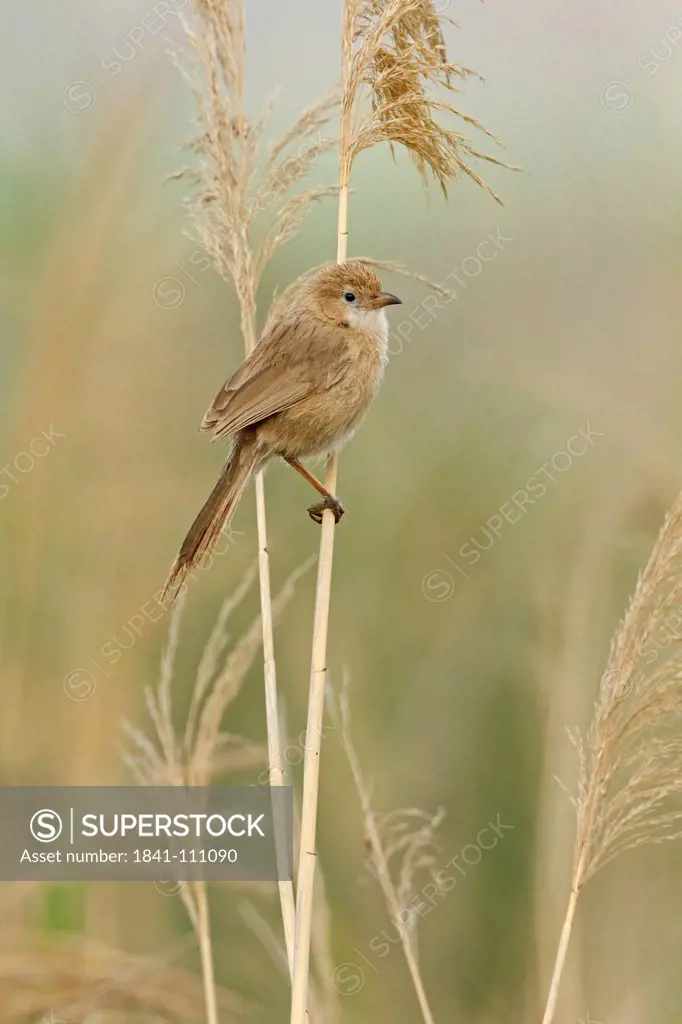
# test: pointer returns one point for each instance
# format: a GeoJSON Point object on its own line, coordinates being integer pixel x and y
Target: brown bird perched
{"type": "Point", "coordinates": [303, 391]}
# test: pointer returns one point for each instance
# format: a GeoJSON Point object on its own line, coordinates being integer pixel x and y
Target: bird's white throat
{"type": "Point", "coordinates": [374, 322]}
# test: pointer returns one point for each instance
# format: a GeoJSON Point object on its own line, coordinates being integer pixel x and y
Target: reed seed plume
{"type": "Point", "coordinates": [242, 206]}
{"type": "Point", "coordinates": [631, 759]}
{"type": "Point", "coordinates": [398, 69]}
{"type": "Point", "coordinates": [408, 838]}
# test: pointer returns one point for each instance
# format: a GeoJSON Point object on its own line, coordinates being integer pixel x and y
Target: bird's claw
{"type": "Point", "coordinates": [315, 511]}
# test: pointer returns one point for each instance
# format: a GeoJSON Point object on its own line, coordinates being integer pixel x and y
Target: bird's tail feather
{"type": "Point", "coordinates": [216, 513]}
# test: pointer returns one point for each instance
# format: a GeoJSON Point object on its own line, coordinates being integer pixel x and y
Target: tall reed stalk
{"type": "Point", "coordinates": [391, 50]}
{"type": "Point", "coordinates": [318, 670]}
{"type": "Point", "coordinates": [275, 763]}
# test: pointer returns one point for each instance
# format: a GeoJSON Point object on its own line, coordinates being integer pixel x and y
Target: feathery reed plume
{"type": "Point", "coordinates": [400, 844]}
{"type": "Point", "coordinates": [234, 189]}
{"type": "Point", "coordinates": [392, 54]}
{"type": "Point", "coordinates": [229, 201]}
{"type": "Point", "coordinates": [631, 762]}
{"type": "Point", "coordinates": [397, 54]}
{"type": "Point", "coordinates": [203, 750]}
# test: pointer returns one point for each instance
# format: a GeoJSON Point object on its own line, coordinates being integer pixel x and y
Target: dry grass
{"type": "Point", "coordinates": [401, 844]}
{"type": "Point", "coordinates": [73, 981]}
{"type": "Point", "coordinates": [202, 750]}
{"type": "Point", "coordinates": [631, 761]}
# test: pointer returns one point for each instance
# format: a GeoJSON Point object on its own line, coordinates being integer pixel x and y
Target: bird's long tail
{"type": "Point", "coordinates": [220, 505]}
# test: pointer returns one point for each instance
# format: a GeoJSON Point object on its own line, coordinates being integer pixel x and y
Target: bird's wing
{"type": "Point", "coordinates": [271, 379]}
{"type": "Point", "coordinates": [264, 395]}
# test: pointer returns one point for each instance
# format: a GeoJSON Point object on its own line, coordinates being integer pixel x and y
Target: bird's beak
{"type": "Point", "coordinates": [385, 299]}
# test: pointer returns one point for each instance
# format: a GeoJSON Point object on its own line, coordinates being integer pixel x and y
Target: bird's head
{"type": "Point", "coordinates": [349, 295]}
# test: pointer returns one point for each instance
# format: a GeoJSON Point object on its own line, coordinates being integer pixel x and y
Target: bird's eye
{"type": "Point", "coordinates": [349, 296]}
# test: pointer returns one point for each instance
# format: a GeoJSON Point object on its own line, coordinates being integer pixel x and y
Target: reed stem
{"type": "Point", "coordinates": [311, 769]}
{"type": "Point", "coordinates": [276, 770]}
{"type": "Point", "coordinates": [560, 962]}
{"type": "Point", "coordinates": [318, 670]}
{"type": "Point", "coordinates": [203, 925]}
{"type": "Point", "coordinates": [285, 886]}
{"type": "Point", "coordinates": [585, 826]}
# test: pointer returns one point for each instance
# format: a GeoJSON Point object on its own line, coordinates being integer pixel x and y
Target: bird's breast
{"type": "Point", "coordinates": [322, 421]}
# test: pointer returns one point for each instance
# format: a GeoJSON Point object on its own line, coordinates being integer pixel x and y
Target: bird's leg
{"type": "Point", "coordinates": [328, 499]}
{"type": "Point", "coordinates": [307, 475]}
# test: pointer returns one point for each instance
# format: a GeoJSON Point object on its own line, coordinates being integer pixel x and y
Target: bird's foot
{"type": "Point", "coordinates": [315, 511]}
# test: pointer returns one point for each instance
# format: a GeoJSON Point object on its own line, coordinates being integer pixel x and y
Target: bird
{"type": "Point", "coordinates": [303, 391]}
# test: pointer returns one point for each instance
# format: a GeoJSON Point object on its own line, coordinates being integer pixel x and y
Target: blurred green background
{"type": "Point", "coordinates": [465, 673]}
